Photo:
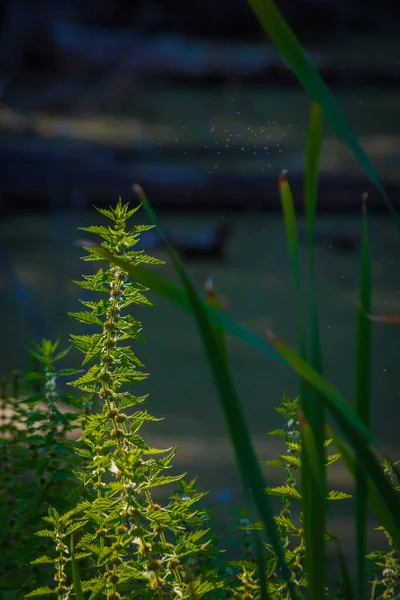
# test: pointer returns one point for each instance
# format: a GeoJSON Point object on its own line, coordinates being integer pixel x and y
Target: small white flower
{"type": "Point", "coordinates": [113, 468]}
{"type": "Point", "coordinates": [388, 573]}
{"type": "Point", "coordinates": [130, 485]}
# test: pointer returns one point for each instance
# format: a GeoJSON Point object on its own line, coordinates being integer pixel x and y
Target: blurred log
{"type": "Point", "coordinates": [93, 177]}
{"type": "Point", "coordinates": [188, 60]}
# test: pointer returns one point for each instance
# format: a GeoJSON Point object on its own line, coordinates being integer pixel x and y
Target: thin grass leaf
{"type": "Point", "coordinates": [261, 563]}
{"type": "Point", "coordinates": [362, 399]}
{"type": "Point", "coordinates": [347, 585]}
{"type": "Point", "coordinates": [313, 500]}
{"type": "Point", "coordinates": [213, 302]}
{"type": "Point", "coordinates": [312, 161]}
{"type": "Point", "coordinates": [315, 408]}
{"type": "Point", "coordinates": [314, 511]}
{"type": "Point", "coordinates": [293, 53]}
{"type": "Point", "coordinates": [291, 236]}
{"type": "Point", "coordinates": [332, 398]}
{"type": "Point", "coordinates": [248, 463]}
{"type": "Point", "coordinates": [355, 431]}
{"type": "Point", "coordinates": [376, 495]}
{"type": "Point", "coordinates": [176, 294]}
{"type": "Point", "coordinates": [76, 578]}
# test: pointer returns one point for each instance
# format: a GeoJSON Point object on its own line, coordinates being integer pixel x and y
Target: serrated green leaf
{"type": "Point", "coordinates": [286, 522]}
{"type": "Point", "coordinates": [283, 491]}
{"type": "Point", "coordinates": [292, 460]}
{"type": "Point", "coordinates": [42, 591]}
{"type": "Point", "coordinates": [43, 560]}
{"type": "Point", "coordinates": [89, 381]}
{"type": "Point", "coordinates": [334, 495]}
{"type": "Point", "coordinates": [273, 463]}
{"type": "Point", "coordinates": [331, 459]}
{"type": "Point", "coordinates": [74, 527]}
{"type": "Point", "coordinates": [45, 533]}
{"type": "Point", "coordinates": [86, 317]}
{"type": "Point", "coordinates": [277, 432]}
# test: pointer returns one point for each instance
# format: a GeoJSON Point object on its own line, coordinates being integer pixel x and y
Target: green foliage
{"type": "Point", "coordinates": [125, 541]}
{"type": "Point", "coordinates": [36, 461]}
{"type": "Point", "coordinates": [104, 536]}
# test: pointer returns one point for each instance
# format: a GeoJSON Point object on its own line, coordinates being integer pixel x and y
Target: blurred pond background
{"type": "Point", "coordinates": [190, 100]}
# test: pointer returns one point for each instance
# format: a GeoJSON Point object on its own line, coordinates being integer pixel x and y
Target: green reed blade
{"type": "Point", "coordinates": [314, 509]}
{"type": "Point", "coordinates": [177, 295]}
{"type": "Point", "coordinates": [291, 236]}
{"type": "Point", "coordinates": [293, 53]}
{"type": "Point", "coordinates": [212, 300]}
{"type": "Point", "coordinates": [355, 431]}
{"type": "Point", "coordinates": [313, 152]}
{"type": "Point", "coordinates": [330, 396]}
{"type": "Point", "coordinates": [249, 466]}
{"type": "Point", "coordinates": [285, 355]}
{"type": "Point", "coordinates": [347, 584]}
{"type": "Point", "coordinates": [316, 416]}
{"type": "Point", "coordinates": [313, 501]}
{"type": "Point", "coordinates": [376, 497]}
{"type": "Point", "coordinates": [363, 366]}
{"type": "Point", "coordinates": [76, 578]}
{"type": "Point", "coordinates": [348, 420]}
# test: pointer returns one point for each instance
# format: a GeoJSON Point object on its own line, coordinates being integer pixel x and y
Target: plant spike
{"type": "Point", "coordinates": [134, 543]}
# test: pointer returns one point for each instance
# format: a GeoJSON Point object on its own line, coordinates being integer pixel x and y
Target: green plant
{"type": "Point", "coordinates": [128, 540]}
{"type": "Point", "coordinates": [99, 492]}
{"type": "Point", "coordinates": [107, 561]}
{"type": "Point", "coordinates": [386, 584]}
{"type": "Point", "coordinates": [36, 461]}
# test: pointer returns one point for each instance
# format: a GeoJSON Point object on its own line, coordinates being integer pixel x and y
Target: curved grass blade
{"type": "Point", "coordinates": [249, 466]}
{"type": "Point", "coordinates": [212, 301]}
{"type": "Point", "coordinates": [347, 584]}
{"type": "Point", "coordinates": [376, 496]}
{"type": "Point", "coordinates": [313, 501]}
{"type": "Point", "coordinates": [350, 423]}
{"type": "Point", "coordinates": [357, 434]}
{"type": "Point", "coordinates": [314, 509]}
{"type": "Point", "coordinates": [313, 153]}
{"type": "Point", "coordinates": [76, 578]}
{"type": "Point", "coordinates": [293, 53]}
{"type": "Point", "coordinates": [363, 398]}
{"type": "Point", "coordinates": [177, 295]}
{"type": "Point", "coordinates": [291, 236]}
{"type": "Point", "coordinates": [316, 413]}
{"type": "Point", "coordinates": [314, 141]}
{"type": "Point", "coordinates": [333, 399]}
